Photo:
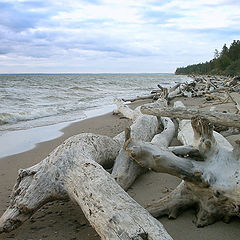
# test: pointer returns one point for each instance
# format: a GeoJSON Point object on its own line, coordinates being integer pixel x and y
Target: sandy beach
{"type": "Point", "coordinates": [64, 220]}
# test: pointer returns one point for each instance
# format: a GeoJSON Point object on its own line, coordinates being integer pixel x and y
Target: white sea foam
{"type": "Point", "coordinates": [34, 100]}
{"type": "Point", "coordinates": [56, 98]}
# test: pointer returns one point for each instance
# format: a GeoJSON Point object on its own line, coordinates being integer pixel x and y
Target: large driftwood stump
{"type": "Point", "coordinates": [73, 170]}
{"type": "Point", "coordinates": [211, 181]}
{"type": "Point", "coordinates": [125, 171]}
{"type": "Point", "coordinates": [208, 166]}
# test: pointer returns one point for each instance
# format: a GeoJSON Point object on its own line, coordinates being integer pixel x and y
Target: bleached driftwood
{"type": "Point", "coordinates": [162, 93]}
{"type": "Point", "coordinates": [210, 185]}
{"type": "Point", "coordinates": [174, 87]}
{"type": "Point", "coordinates": [225, 119]}
{"type": "Point", "coordinates": [44, 182]}
{"type": "Point", "coordinates": [150, 123]}
{"type": "Point", "coordinates": [235, 99]}
{"type": "Point", "coordinates": [73, 170]}
{"type": "Point", "coordinates": [125, 110]}
{"type": "Point", "coordinates": [151, 96]}
{"type": "Point", "coordinates": [125, 171]}
{"type": "Point", "coordinates": [109, 209]}
{"type": "Point", "coordinates": [171, 92]}
{"type": "Point", "coordinates": [186, 136]}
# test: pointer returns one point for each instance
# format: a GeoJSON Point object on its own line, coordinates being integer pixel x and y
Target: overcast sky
{"type": "Point", "coordinates": [97, 36]}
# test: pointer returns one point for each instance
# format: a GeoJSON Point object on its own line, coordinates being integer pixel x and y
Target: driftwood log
{"type": "Point", "coordinates": [225, 119]}
{"type": "Point", "coordinates": [209, 170]}
{"type": "Point", "coordinates": [207, 164]}
{"type": "Point", "coordinates": [150, 96]}
{"type": "Point", "coordinates": [197, 86]}
{"type": "Point", "coordinates": [73, 170]}
{"type": "Point", "coordinates": [125, 171]}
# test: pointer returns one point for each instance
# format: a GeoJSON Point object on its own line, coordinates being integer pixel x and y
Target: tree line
{"type": "Point", "coordinates": [225, 62]}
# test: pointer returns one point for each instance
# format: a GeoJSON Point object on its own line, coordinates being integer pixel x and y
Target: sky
{"type": "Point", "coordinates": [113, 36]}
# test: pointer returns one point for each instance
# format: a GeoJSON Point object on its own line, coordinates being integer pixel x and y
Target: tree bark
{"type": "Point", "coordinates": [109, 209]}
{"type": "Point", "coordinates": [151, 96]}
{"type": "Point", "coordinates": [225, 119]}
{"type": "Point", "coordinates": [72, 170]}
{"type": "Point", "coordinates": [215, 195]}
{"type": "Point", "coordinates": [125, 171]}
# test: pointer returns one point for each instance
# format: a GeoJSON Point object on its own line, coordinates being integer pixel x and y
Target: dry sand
{"type": "Point", "coordinates": [65, 221]}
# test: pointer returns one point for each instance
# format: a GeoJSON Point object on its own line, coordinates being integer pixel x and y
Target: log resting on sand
{"type": "Point", "coordinates": [73, 170]}
{"type": "Point", "coordinates": [225, 119]}
{"type": "Point", "coordinates": [125, 171]}
{"type": "Point", "coordinates": [210, 175]}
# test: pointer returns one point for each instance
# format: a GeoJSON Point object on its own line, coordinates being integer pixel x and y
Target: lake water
{"type": "Point", "coordinates": [30, 101]}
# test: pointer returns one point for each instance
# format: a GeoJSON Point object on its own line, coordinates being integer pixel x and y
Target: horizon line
{"type": "Point", "coordinates": [88, 73]}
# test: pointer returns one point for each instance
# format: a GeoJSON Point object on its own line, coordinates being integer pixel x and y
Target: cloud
{"type": "Point", "coordinates": [20, 16]}
{"type": "Point", "coordinates": [114, 35]}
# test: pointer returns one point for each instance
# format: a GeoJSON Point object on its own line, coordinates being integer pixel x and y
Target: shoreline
{"type": "Point", "coordinates": [10, 165]}
{"type": "Point", "coordinates": [23, 140]}
{"type": "Point", "coordinates": [64, 220]}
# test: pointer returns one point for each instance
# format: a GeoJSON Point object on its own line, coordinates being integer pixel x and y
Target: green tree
{"type": "Point", "coordinates": [233, 69]}
{"type": "Point", "coordinates": [223, 62]}
{"type": "Point", "coordinates": [216, 54]}
{"type": "Point", "coordinates": [224, 50]}
{"type": "Point", "coordinates": [234, 50]}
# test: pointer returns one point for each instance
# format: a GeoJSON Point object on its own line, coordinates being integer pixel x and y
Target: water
{"type": "Point", "coordinates": [33, 100]}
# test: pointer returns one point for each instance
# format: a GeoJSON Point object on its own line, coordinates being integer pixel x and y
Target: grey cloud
{"type": "Point", "coordinates": [18, 17]}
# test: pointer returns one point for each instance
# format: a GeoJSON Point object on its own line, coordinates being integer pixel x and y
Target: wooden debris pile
{"type": "Point", "coordinates": [206, 162]}
{"type": "Point", "coordinates": [212, 87]}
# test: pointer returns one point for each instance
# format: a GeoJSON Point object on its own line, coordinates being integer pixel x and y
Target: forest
{"type": "Point", "coordinates": [225, 62]}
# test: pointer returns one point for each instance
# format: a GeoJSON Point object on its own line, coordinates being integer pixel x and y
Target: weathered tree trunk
{"type": "Point", "coordinates": [72, 170]}
{"type": "Point", "coordinates": [235, 99]}
{"type": "Point", "coordinates": [151, 96]}
{"type": "Point", "coordinates": [125, 171]}
{"type": "Point", "coordinates": [109, 209]}
{"type": "Point", "coordinates": [44, 182]}
{"type": "Point", "coordinates": [211, 184]}
{"type": "Point", "coordinates": [225, 119]}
